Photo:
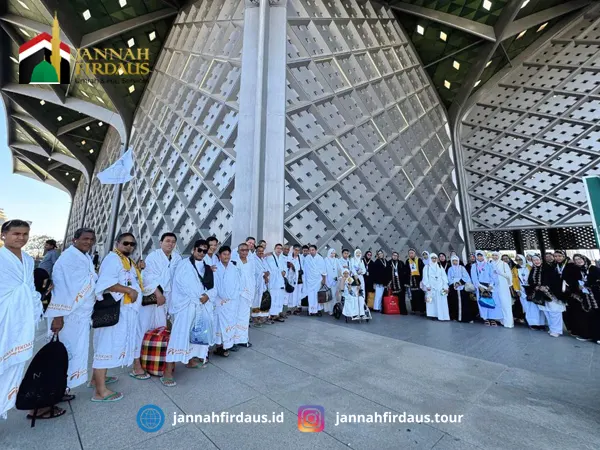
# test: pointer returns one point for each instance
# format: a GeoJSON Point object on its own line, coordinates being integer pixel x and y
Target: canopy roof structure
{"type": "Point", "coordinates": [55, 132]}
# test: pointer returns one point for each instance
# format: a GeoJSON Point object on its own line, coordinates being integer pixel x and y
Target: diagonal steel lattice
{"type": "Point", "coordinates": [368, 156]}
{"type": "Point", "coordinates": [531, 138]}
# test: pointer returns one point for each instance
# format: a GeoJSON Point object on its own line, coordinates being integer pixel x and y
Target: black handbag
{"type": "Point", "coordinates": [151, 299]}
{"type": "Point", "coordinates": [324, 295]}
{"type": "Point", "coordinates": [106, 312]}
{"type": "Point", "coordinates": [265, 301]}
{"type": "Point", "coordinates": [304, 301]}
{"type": "Point", "coordinates": [288, 287]}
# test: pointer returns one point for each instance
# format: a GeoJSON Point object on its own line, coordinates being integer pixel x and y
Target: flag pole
{"type": "Point", "coordinates": [138, 214]}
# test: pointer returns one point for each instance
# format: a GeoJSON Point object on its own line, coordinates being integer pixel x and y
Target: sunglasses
{"type": "Point", "coordinates": [201, 250]}
{"type": "Point", "coordinates": [129, 244]}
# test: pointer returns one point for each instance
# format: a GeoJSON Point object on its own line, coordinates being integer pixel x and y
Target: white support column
{"type": "Point", "coordinates": [247, 162]}
{"type": "Point", "coordinates": [273, 182]}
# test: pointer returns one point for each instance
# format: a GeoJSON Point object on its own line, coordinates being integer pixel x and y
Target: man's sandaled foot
{"type": "Point", "coordinates": [107, 381]}
{"type": "Point", "coordinates": [168, 382]}
{"type": "Point", "coordinates": [139, 376]}
{"type": "Point", "coordinates": [114, 397]}
{"type": "Point", "coordinates": [50, 413]}
{"type": "Point", "coordinates": [219, 351]}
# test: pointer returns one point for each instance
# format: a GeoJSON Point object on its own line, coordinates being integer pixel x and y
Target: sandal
{"type": "Point", "coordinates": [107, 381]}
{"type": "Point", "coordinates": [68, 398]}
{"type": "Point", "coordinates": [53, 412]}
{"type": "Point", "coordinates": [168, 382]}
{"type": "Point", "coordinates": [279, 319]}
{"type": "Point", "coordinates": [139, 376]}
{"type": "Point", "coordinates": [219, 351]}
{"type": "Point", "coordinates": [114, 397]}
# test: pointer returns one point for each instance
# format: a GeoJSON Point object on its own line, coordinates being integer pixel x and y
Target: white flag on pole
{"type": "Point", "coordinates": [119, 172]}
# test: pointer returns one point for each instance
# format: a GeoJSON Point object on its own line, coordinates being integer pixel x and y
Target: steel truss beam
{"type": "Point", "coordinates": [62, 181]}
{"type": "Point", "coordinates": [46, 125]}
{"type": "Point", "coordinates": [29, 125]}
{"type": "Point", "coordinates": [117, 29]}
{"type": "Point", "coordinates": [518, 26]}
{"type": "Point", "coordinates": [468, 26]}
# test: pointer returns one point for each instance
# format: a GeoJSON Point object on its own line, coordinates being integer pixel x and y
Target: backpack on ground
{"type": "Point", "coordinates": [45, 381]}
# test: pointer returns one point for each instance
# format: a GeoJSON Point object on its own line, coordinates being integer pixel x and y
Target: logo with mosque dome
{"type": "Point", "coordinates": [45, 59]}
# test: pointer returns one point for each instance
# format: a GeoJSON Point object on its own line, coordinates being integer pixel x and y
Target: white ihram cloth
{"type": "Point", "coordinates": [292, 276]}
{"type": "Point", "coordinates": [533, 315]}
{"type": "Point", "coordinates": [117, 346]}
{"type": "Point", "coordinates": [435, 282]}
{"type": "Point", "coordinates": [276, 264]}
{"type": "Point", "coordinates": [314, 270]}
{"type": "Point", "coordinates": [186, 290]}
{"type": "Point", "coordinates": [20, 309]}
{"type": "Point", "coordinates": [502, 289]}
{"type": "Point", "coordinates": [261, 287]}
{"type": "Point", "coordinates": [249, 273]}
{"type": "Point", "coordinates": [73, 297]}
{"type": "Point", "coordinates": [158, 272]}
{"type": "Point", "coordinates": [331, 266]}
{"type": "Point", "coordinates": [228, 283]}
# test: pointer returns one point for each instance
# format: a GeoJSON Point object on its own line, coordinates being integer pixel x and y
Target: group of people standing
{"type": "Point", "coordinates": [233, 289]}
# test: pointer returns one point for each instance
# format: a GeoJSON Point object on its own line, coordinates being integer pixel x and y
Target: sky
{"type": "Point", "coordinates": [24, 198]}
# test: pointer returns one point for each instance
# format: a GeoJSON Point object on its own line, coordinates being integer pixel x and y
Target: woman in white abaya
{"type": "Point", "coordinates": [435, 284]}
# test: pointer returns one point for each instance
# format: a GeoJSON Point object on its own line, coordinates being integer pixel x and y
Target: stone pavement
{"type": "Point", "coordinates": [517, 389]}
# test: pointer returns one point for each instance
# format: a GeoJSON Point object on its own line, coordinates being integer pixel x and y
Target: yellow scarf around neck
{"type": "Point", "coordinates": [127, 264]}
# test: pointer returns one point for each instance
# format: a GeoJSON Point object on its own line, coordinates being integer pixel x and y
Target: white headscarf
{"type": "Point", "coordinates": [428, 260]}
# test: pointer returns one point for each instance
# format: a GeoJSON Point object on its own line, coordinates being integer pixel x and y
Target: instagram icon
{"type": "Point", "coordinates": [311, 418]}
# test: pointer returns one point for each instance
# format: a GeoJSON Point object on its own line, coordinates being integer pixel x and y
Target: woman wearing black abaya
{"type": "Point", "coordinates": [443, 262]}
{"type": "Point", "coordinates": [583, 281]}
{"type": "Point", "coordinates": [414, 275]}
{"type": "Point", "coordinates": [368, 262]}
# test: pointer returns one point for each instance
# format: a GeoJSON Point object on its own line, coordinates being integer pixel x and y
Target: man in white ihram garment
{"type": "Point", "coordinates": [157, 275]}
{"type": "Point", "coordinates": [20, 309]}
{"type": "Point", "coordinates": [503, 276]}
{"type": "Point", "coordinates": [293, 276]}
{"type": "Point", "coordinates": [435, 283]}
{"type": "Point", "coordinates": [228, 284]}
{"type": "Point", "coordinates": [249, 271]}
{"type": "Point", "coordinates": [277, 265]}
{"type": "Point", "coordinates": [316, 276]}
{"type": "Point", "coordinates": [70, 310]}
{"type": "Point", "coordinates": [192, 293]}
{"type": "Point", "coordinates": [117, 345]}
{"type": "Point", "coordinates": [259, 318]}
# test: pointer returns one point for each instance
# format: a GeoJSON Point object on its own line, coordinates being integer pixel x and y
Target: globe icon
{"type": "Point", "coordinates": [150, 418]}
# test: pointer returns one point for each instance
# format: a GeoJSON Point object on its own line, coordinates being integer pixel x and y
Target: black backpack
{"type": "Point", "coordinates": [45, 381]}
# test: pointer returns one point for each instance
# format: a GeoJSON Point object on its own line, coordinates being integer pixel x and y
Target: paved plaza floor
{"type": "Point", "coordinates": [517, 389]}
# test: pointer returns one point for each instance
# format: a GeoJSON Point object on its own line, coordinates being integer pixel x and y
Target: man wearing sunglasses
{"type": "Point", "coordinates": [118, 345]}
{"type": "Point", "coordinates": [192, 297]}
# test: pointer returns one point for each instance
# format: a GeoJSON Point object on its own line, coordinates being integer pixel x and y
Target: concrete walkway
{"type": "Point", "coordinates": [515, 389]}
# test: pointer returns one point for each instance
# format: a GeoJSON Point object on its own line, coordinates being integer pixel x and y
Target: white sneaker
{"type": "Point", "coordinates": [581, 339]}
{"type": "Point", "coordinates": [554, 334]}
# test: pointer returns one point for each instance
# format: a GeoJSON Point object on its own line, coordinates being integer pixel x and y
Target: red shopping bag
{"type": "Point", "coordinates": [391, 305]}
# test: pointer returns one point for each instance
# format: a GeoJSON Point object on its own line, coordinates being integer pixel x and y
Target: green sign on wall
{"type": "Point", "coordinates": [592, 190]}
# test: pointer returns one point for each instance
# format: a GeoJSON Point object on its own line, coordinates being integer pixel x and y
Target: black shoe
{"type": "Point", "coordinates": [320, 313]}
{"type": "Point", "coordinates": [234, 348]}
{"type": "Point", "coordinates": [246, 345]}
